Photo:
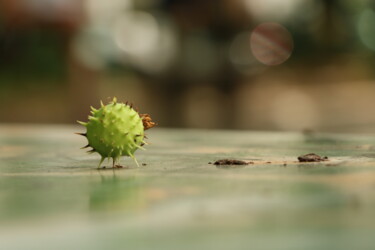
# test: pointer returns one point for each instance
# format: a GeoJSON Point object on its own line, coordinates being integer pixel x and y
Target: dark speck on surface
{"type": "Point", "coordinates": [312, 158]}
{"type": "Point", "coordinates": [230, 162]}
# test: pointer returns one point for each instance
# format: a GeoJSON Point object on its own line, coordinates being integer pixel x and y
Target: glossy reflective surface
{"type": "Point", "coordinates": [52, 197]}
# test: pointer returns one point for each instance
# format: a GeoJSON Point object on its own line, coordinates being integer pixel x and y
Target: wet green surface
{"type": "Point", "coordinates": [52, 197]}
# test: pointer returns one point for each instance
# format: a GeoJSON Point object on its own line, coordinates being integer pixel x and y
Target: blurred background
{"type": "Point", "coordinates": [233, 64]}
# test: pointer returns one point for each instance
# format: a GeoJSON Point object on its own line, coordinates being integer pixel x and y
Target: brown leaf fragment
{"type": "Point", "coordinates": [147, 121]}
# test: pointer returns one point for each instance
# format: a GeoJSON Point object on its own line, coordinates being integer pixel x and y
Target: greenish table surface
{"type": "Point", "coordinates": [53, 197]}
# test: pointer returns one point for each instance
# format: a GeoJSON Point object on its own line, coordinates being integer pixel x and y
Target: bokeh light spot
{"type": "Point", "coordinates": [271, 43]}
{"type": "Point", "coordinates": [136, 33]}
{"type": "Point", "coordinates": [241, 57]}
{"type": "Point", "coordinates": [144, 41]}
{"type": "Point", "coordinates": [275, 9]}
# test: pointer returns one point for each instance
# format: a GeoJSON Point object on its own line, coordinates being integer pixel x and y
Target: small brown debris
{"type": "Point", "coordinates": [118, 166]}
{"type": "Point", "coordinates": [209, 162]}
{"type": "Point", "coordinates": [147, 121]}
{"type": "Point", "coordinates": [144, 164]}
{"type": "Point", "coordinates": [230, 162]}
{"type": "Point", "coordinates": [312, 158]}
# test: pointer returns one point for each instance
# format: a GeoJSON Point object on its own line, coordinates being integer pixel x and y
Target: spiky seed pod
{"type": "Point", "coordinates": [116, 130]}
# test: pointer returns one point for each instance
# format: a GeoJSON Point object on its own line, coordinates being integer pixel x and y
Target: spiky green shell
{"type": "Point", "coordinates": [114, 130]}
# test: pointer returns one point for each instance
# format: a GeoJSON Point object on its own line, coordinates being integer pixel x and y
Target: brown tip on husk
{"type": "Point", "coordinates": [147, 121]}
